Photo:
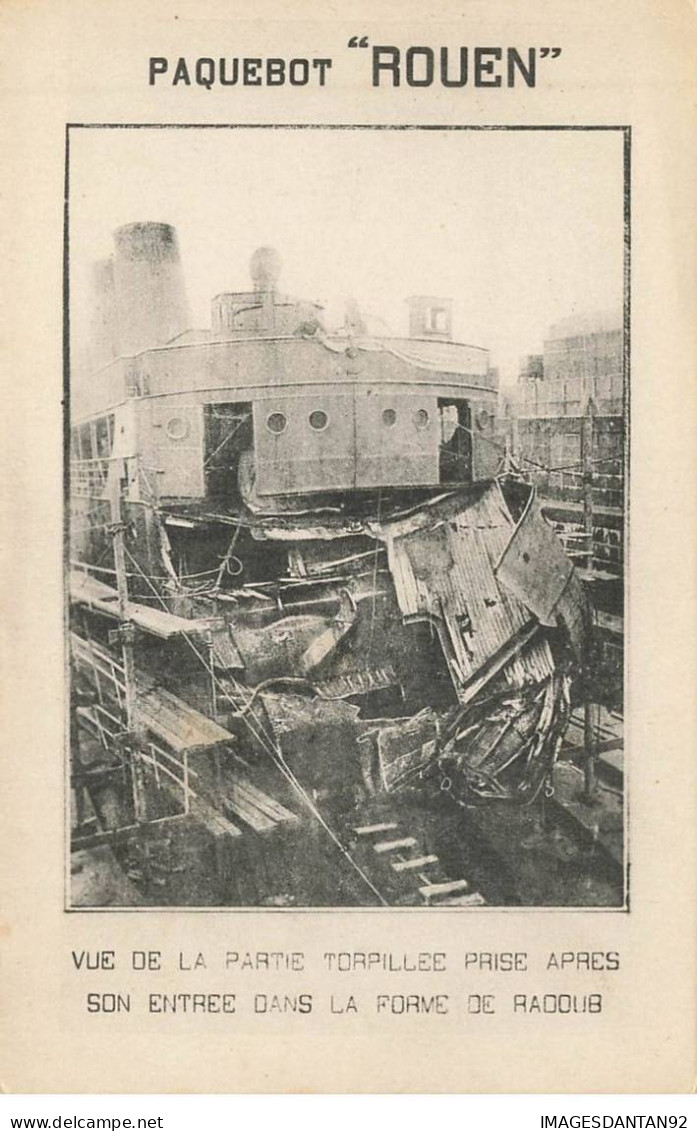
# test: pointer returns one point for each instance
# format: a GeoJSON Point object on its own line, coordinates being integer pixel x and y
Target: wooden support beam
{"type": "Point", "coordinates": [415, 862]}
{"type": "Point", "coordinates": [440, 891]}
{"type": "Point", "coordinates": [393, 845]}
{"type": "Point", "coordinates": [367, 830]}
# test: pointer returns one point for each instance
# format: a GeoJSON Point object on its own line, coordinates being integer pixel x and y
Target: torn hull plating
{"type": "Point", "coordinates": [385, 654]}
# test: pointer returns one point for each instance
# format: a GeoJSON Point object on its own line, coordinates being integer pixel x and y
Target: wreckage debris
{"type": "Point", "coordinates": [307, 620]}
{"type": "Point", "coordinates": [291, 687]}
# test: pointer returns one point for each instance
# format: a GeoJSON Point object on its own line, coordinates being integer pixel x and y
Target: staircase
{"type": "Point", "coordinates": [404, 869]}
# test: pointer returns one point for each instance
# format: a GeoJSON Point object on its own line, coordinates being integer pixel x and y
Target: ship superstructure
{"type": "Point", "coordinates": [303, 580]}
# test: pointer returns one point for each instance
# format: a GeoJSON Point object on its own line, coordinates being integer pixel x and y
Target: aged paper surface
{"type": "Point", "coordinates": [319, 774]}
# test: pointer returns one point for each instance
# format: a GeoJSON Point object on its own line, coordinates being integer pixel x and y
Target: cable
{"type": "Point", "coordinates": [273, 748]}
{"type": "Point", "coordinates": [567, 466]}
{"type": "Point", "coordinates": [91, 526]}
{"type": "Point", "coordinates": [225, 563]}
{"type": "Point", "coordinates": [152, 576]}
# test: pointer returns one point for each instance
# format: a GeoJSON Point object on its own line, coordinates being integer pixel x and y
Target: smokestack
{"type": "Point", "coordinates": [104, 326]}
{"type": "Point", "coordinates": [149, 285]}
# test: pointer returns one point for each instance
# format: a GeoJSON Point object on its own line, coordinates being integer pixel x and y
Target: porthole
{"type": "Point", "coordinates": [318, 420]}
{"type": "Point", "coordinates": [389, 417]}
{"type": "Point", "coordinates": [177, 428]}
{"type": "Point", "coordinates": [483, 419]}
{"type": "Point", "coordinates": [276, 423]}
{"type": "Point", "coordinates": [421, 418]}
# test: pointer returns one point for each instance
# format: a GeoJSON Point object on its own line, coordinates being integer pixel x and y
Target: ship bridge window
{"type": "Point", "coordinates": [389, 417]}
{"type": "Point", "coordinates": [318, 420]}
{"type": "Point", "coordinates": [276, 423]}
{"type": "Point", "coordinates": [438, 319]}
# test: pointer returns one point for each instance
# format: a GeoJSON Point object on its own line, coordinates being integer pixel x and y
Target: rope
{"type": "Point", "coordinates": [225, 563]}
{"type": "Point", "coordinates": [151, 577]}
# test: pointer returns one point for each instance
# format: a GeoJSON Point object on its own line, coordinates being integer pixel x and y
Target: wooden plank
{"type": "Point", "coordinates": [415, 862]}
{"type": "Point", "coordinates": [393, 845]}
{"type": "Point", "coordinates": [178, 724]}
{"type": "Point", "coordinates": [435, 891]}
{"type": "Point", "coordinates": [264, 801]}
{"type": "Point", "coordinates": [367, 830]}
{"type": "Point", "coordinates": [86, 590]}
{"type": "Point", "coordinates": [212, 820]}
{"type": "Point", "coordinates": [247, 812]}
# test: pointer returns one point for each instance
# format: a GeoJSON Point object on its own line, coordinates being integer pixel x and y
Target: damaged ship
{"type": "Point", "coordinates": [316, 618]}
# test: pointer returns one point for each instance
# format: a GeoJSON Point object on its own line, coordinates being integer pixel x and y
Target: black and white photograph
{"type": "Point", "coordinates": [346, 512]}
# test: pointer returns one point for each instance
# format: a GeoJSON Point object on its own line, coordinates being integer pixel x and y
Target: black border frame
{"type": "Point", "coordinates": [626, 131]}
